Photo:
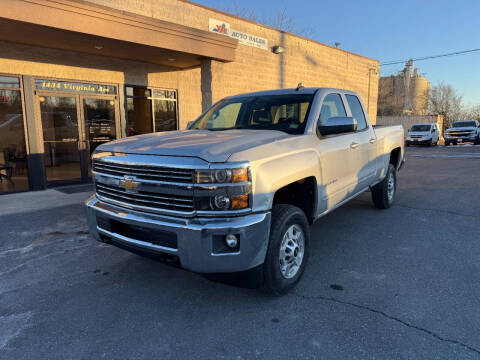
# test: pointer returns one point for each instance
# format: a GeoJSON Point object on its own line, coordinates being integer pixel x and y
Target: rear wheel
{"type": "Point", "coordinates": [287, 250]}
{"type": "Point", "coordinates": [383, 193]}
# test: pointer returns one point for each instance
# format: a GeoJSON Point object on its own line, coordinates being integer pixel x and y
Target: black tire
{"type": "Point", "coordinates": [284, 217]}
{"type": "Point", "coordinates": [477, 140]}
{"type": "Point", "coordinates": [380, 192]}
{"type": "Point", "coordinates": [447, 143]}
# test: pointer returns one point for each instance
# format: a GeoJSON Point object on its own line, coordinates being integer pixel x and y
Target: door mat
{"type": "Point", "coordinates": [75, 189]}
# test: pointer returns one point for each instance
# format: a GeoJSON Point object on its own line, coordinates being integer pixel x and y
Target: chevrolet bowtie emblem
{"type": "Point", "coordinates": [129, 183]}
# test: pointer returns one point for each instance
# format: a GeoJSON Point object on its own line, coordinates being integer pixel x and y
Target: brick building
{"type": "Point", "coordinates": [74, 74]}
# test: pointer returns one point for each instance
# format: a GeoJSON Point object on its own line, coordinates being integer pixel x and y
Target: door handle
{"type": "Point", "coordinates": [372, 140]}
{"type": "Point", "coordinates": [354, 145]}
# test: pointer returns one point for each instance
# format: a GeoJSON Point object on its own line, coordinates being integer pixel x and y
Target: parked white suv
{"type": "Point", "coordinates": [423, 134]}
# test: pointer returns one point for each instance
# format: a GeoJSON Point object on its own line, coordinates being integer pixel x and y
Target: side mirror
{"type": "Point", "coordinates": [338, 125]}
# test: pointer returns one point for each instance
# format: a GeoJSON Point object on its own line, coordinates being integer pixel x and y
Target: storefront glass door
{"type": "Point", "coordinates": [99, 117]}
{"type": "Point", "coordinates": [61, 138]}
{"type": "Point", "coordinates": [13, 151]}
{"type": "Point", "coordinates": [73, 126]}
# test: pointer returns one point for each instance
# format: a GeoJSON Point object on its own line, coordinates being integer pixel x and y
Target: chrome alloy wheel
{"type": "Point", "coordinates": [390, 187]}
{"type": "Point", "coordinates": [292, 250]}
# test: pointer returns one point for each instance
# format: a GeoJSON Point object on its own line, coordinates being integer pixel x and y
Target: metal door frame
{"type": "Point", "coordinates": [81, 121]}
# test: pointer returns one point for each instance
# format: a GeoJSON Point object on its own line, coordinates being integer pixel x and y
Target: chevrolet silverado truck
{"type": "Point", "coordinates": [463, 131]}
{"type": "Point", "coordinates": [239, 189]}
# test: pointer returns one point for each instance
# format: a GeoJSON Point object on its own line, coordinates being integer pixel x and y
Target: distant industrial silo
{"type": "Point", "coordinates": [420, 94]}
{"type": "Point", "coordinates": [406, 93]}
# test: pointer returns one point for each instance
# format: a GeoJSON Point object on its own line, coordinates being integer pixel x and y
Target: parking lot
{"type": "Point", "coordinates": [402, 283]}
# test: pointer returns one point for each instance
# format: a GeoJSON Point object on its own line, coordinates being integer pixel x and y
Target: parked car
{"type": "Point", "coordinates": [423, 134]}
{"type": "Point", "coordinates": [463, 131]}
{"type": "Point", "coordinates": [240, 188]}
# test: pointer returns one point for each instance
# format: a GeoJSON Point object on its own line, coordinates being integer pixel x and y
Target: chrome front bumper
{"type": "Point", "coordinates": [195, 236]}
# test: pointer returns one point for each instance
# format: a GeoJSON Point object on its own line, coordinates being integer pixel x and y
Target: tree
{"type": "Point", "coordinates": [472, 113]}
{"type": "Point", "coordinates": [445, 101]}
{"type": "Point", "coordinates": [281, 20]}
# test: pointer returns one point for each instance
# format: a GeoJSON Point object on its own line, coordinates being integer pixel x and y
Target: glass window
{"type": "Point", "coordinates": [332, 107]}
{"type": "Point", "coordinates": [226, 117]}
{"type": "Point", "coordinates": [60, 138]}
{"type": "Point", "coordinates": [420, 128]}
{"type": "Point", "coordinates": [139, 113]}
{"type": "Point", "coordinates": [165, 115]}
{"type": "Point", "coordinates": [13, 154]}
{"type": "Point", "coordinates": [357, 111]}
{"type": "Point", "coordinates": [9, 81]}
{"type": "Point", "coordinates": [464, 124]}
{"type": "Point", "coordinates": [287, 113]}
{"type": "Point", "coordinates": [99, 121]}
{"type": "Point", "coordinates": [147, 113]}
{"type": "Point", "coordinates": [164, 94]}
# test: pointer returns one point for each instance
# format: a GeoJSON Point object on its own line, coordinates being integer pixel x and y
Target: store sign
{"type": "Point", "coordinates": [222, 27]}
{"type": "Point", "coordinates": [68, 86]}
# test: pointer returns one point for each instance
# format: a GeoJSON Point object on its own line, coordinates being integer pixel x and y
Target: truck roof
{"type": "Point", "coordinates": [291, 91]}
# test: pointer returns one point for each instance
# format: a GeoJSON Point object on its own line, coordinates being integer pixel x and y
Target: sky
{"type": "Point", "coordinates": [391, 30]}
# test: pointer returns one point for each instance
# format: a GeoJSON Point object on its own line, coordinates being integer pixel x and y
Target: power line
{"type": "Point", "coordinates": [430, 57]}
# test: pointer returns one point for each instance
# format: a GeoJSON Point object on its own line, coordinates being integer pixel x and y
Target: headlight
{"type": "Point", "coordinates": [223, 189]}
{"type": "Point", "coordinates": [221, 176]}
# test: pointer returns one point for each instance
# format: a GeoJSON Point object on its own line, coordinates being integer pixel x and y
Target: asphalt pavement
{"type": "Point", "coordinates": [402, 283]}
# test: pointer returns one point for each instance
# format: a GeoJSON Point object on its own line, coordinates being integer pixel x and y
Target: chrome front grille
{"type": "Point", "coordinates": [142, 172]}
{"type": "Point", "coordinates": [459, 133]}
{"type": "Point", "coordinates": [149, 188]}
{"type": "Point", "coordinates": [145, 199]}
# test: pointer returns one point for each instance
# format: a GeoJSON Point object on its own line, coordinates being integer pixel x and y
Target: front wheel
{"type": "Point", "coordinates": [383, 193]}
{"type": "Point", "coordinates": [287, 250]}
{"type": "Point", "coordinates": [477, 140]}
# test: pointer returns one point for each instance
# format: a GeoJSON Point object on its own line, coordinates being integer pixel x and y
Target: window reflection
{"type": "Point", "coordinates": [150, 110]}
{"type": "Point", "coordinates": [60, 136]}
{"type": "Point", "coordinates": [13, 155]}
{"type": "Point", "coordinates": [165, 115]}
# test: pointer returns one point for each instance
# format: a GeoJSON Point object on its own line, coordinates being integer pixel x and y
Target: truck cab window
{"type": "Point", "coordinates": [357, 111]}
{"type": "Point", "coordinates": [332, 107]}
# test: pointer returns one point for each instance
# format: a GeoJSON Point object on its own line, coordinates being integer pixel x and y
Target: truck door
{"type": "Point", "coordinates": [363, 146]}
{"type": "Point", "coordinates": [335, 157]}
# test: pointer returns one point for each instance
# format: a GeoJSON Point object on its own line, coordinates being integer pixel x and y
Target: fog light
{"type": "Point", "coordinates": [221, 202]}
{"type": "Point", "coordinates": [231, 241]}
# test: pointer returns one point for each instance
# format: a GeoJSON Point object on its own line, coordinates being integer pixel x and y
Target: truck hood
{"type": "Point", "coordinates": [211, 146]}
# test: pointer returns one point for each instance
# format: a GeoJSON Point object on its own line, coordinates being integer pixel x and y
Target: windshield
{"type": "Point", "coordinates": [287, 113]}
{"type": "Point", "coordinates": [421, 128]}
{"type": "Point", "coordinates": [464, 123]}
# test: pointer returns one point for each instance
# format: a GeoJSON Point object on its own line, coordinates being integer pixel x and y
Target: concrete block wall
{"type": "Point", "coordinates": [306, 61]}
{"type": "Point", "coordinates": [408, 121]}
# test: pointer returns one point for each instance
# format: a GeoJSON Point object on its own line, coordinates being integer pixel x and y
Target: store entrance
{"type": "Point", "coordinates": [73, 126]}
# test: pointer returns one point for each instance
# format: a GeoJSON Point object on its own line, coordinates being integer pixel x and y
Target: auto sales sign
{"type": "Point", "coordinates": [222, 27]}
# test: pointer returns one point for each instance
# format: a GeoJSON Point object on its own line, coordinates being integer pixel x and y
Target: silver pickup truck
{"type": "Point", "coordinates": [239, 189]}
